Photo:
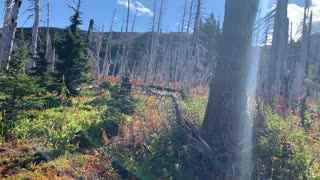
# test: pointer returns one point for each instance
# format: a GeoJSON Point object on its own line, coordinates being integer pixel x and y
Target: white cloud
{"type": "Point", "coordinates": [296, 13]}
{"type": "Point", "coordinates": [136, 6]}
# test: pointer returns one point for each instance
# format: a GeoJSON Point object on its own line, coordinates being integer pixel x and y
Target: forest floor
{"type": "Point", "coordinates": [106, 133]}
{"type": "Point", "coordinates": [82, 139]}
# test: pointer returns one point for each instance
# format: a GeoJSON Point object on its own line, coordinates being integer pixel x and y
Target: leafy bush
{"type": "Point", "coordinates": [117, 106]}
{"type": "Point", "coordinates": [185, 92]}
{"type": "Point", "coordinates": [283, 149]}
{"type": "Point", "coordinates": [105, 85]}
{"type": "Point", "coordinates": [152, 146]}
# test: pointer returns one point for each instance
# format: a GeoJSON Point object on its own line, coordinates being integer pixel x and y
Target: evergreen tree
{"type": "Point", "coordinates": [209, 32]}
{"type": "Point", "coordinates": [18, 91]}
{"type": "Point", "coordinates": [40, 72]}
{"type": "Point", "coordinates": [73, 64]}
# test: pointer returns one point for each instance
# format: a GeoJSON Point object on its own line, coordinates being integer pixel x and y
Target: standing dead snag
{"type": "Point", "coordinates": [9, 31]}
{"type": "Point", "coordinates": [50, 51]}
{"type": "Point", "coordinates": [4, 39]}
{"type": "Point", "coordinates": [190, 16]}
{"type": "Point", "coordinates": [134, 21]}
{"type": "Point", "coordinates": [297, 89]}
{"type": "Point", "coordinates": [160, 17]}
{"type": "Point", "coordinates": [90, 29]}
{"type": "Point", "coordinates": [107, 55]}
{"type": "Point", "coordinates": [34, 38]}
{"type": "Point", "coordinates": [226, 117]}
{"type": "Point", "coordinates": [128, 16]}
{"type": "Point", "coordinates": [279, 49]}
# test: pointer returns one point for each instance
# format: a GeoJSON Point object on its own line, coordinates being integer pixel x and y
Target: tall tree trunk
{"type": "Point", "coordinates": [107, 55]}
{"type": "Point", "coordinates": [196, 28]}
{"type": "Point", "coordinates": [49, 54]}
{"type": "Point", "coordinates": [226, 116]}
{"type": "Point", "coordinates": [134, 21]}
{"type": "Point", "coordinates": [184, 15]}
{"type": "Point", "coordinates": [150, 69]}
{"type": "Point", "coordinates": [309, 43]}
{"type": "Point", "coordinates": [190, 16]}
{"type": "Point", "coordinates": [160, 17]}
{"type": "Point", "coordinates": [300, 67]}
{"type": "Point", "coordinates": [9, 31]}
{"type": "Point", "coordinates": [34, 37]}
{"type": "Point", "coordinates": [279, 49]}
{"type": "Point", "coordinates": [90, 29]}
{"type": "Point", "coordinates": [128, 16]}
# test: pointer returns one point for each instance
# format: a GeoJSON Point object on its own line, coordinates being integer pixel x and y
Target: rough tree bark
{"type": "Point", "coordinates": [226, 114]}
{"type": "Point", "coordinates": [9, 31]}
{"type": "Point", "coordinates": [5, 40]}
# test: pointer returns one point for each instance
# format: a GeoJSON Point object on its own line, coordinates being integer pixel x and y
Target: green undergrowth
{"type": "Point", "coordinates": [284, 149]}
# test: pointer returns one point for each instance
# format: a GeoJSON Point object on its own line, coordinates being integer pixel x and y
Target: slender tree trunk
{"type": "Point", "coordinates": [226, 116]}
{"type": "Point", "coordinates": [279, 50]}
{"type": "Point", "coordinates": [128, 16]}
{"type": "Point", "coordinates": [90, 29]}
{"type": "Point", "coordinates": [184, 15]}
{"type": "Point", "coordinates": [116, 62]}
{"type": "Point", "coordinates": [150, 70]}
{"type": "Point", "coordinates": [160, 17]}
{"type": "Point", "coordinates": [49, 54]}
{"type": "Point", "coordinates": [309, 43]}
{"type": "Point", "coordinates": [107, 55]}
{"type": "Point", "coordinates": [196, 29]}
{"type": "Point", "coordinates": [34, 38]}
{"type": "Point", "coordinates": [134, 21]}
{"type": "Point", "coordinates": [300, 67]}
{"type": "Point", "coordinates": [190, 16]}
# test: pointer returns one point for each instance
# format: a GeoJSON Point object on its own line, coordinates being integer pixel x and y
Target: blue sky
{"type": "Point", "coordinates": [101, 11]}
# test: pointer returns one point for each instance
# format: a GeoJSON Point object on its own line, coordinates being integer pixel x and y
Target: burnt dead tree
{"type": "Point", "coordinates": [150, 64]}
{"type": "Point", "coordinates": [226, 116]}
{"type": "Point", "coordinates": [107, 55]}
{"type": "Point", "coordinates": [277, 61]}
{"type": "Point", "coordinates": [297, 89]}
{"type": "Point", "coordinates": [34, 36]}
{"type": "Point", "coordinates": [6, 28]}
{"type": "Point", "coordinates": [50, 55]}
{"type": "Point", "coordinates": [190, 16]}
{"type": "Point", "coordinates": [9, 31]}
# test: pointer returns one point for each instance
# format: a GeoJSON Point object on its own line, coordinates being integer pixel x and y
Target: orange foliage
{"type": "Point", "coordinates": [114, 79]}
{"type": "Point", "coordinates": [137, 82]}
